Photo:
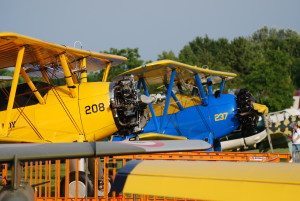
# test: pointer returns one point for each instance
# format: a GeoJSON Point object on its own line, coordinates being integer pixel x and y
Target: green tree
{"type": "Point", "coordinates": [295, 72]}
{"type": "Point", "coordinates": [281, 39]}
{"type": "Point", "coordinates": [133, 60]}
{"type": "Point", "coordinates": [186, 55]}
{"type": "Point", "coordinates": [95, 76]}
{"type": "Point", "coordinates": [270, 80]}
{"type": "Point", "coordinates": [132, 55]}
{"type": "Point", "coordinates": [267, 62]}
{"type": "Point", "coordinates": [5, 72]}
{"type": "Point", "coordinates": [167, 55]}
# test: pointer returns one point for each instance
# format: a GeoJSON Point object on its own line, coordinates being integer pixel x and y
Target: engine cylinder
{"type": "Point", "coordinates": [128, 109]}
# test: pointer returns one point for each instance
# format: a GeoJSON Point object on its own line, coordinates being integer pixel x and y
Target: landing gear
{"type": "Point", "coordinates": [217, 145]}
{"type": "Point", "coordinates": [85, 184]}
{"type": "Point", "coordinates": [85, 187]}
{"type": "Point", "coordinates": [101, 187]}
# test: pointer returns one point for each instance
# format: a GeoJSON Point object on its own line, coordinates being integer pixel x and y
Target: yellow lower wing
{"type": "Point", "coordinates": [203, 180]}
{"type": "Point", "coordinates": [158, 136]}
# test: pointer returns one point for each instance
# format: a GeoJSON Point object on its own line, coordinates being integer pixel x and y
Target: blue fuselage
{"type": "Point", "coordinates": [213, 121]}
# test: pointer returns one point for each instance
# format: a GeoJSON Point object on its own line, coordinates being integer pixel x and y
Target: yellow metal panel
{"type": "Point", "coordinates": [96, 115]}
{"type": "Point", "coordinates": [43, 52]}
{"type": "Point", "coordinates": [215, 180]}
{"type": "Point", "coordinates": [157, 68]}
{"type": "Point", "coordinates": [54, 124]}
{"type": "Point", "coordinates": [59, 119]}
{"type": "Point", "coordinates": [186, 101]}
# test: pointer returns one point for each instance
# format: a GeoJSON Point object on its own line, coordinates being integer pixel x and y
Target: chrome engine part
{"type": "Point", "coordinates": [128, 109]}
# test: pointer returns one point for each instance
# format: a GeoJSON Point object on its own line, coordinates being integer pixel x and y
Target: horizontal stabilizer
{"type": "Point", "coordinates": [91, 149]}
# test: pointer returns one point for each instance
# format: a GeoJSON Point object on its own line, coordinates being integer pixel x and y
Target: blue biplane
{"type": "Point", "coordinates": [190, 108]}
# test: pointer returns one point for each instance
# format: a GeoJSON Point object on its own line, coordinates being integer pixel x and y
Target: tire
{"type": "Point", "coordinates": [101, 187]}
{"type": "Point", "coordinates": [83, 190]}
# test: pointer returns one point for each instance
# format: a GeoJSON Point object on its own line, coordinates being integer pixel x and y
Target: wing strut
{"type": "Point", "coordinates": [167, 102]}
{"type": "Point", "coordinates": [83, 75]}
{"type": "Point", "coordinates": [13, 89]}
{"type": "Point", "coordinates": [68, 75]}
{"type": "Point", "coordinates": [106, 71]}
{"type": "Point", "coordinates": [202, 93]}
{"type": "Point", "coordinates": [209, 86]}
{"type": "Point", "coordinates": [142, 80]}
{"type": "Point", "coordinates": [177, 101]}
{"type": "Point", "coordinates": [222, 85]}
{"type": "Point", "coordinates": [32, 87]}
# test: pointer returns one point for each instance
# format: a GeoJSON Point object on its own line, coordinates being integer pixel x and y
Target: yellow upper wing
{"type": "Point", "coordinates": [45, 53]}
{"type": "Point", "coordinates": [155, 71]}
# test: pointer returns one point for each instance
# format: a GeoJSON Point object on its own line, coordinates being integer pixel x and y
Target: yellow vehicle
{"type": "Point", "coordinates": [54, 103]}
{"type": "Point", "coordinates": [40, 110]}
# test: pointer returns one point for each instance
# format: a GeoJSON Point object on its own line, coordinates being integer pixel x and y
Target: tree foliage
{"type": "Point", "coordinates": [268, 62]}
{"type": "Point", "coordinates": [133, 60]}
{"type": "Point", "coordinates": [270, 80]}
{"type": "Point", "coordinates": [167, 55]}
{"type": "Point", "coordinates": [5, 72]}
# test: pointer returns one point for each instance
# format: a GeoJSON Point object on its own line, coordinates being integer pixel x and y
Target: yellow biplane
{"type": "Point", "coordinates": [41, 111]}
{"type": "Point", "coordinates": [48, 100]}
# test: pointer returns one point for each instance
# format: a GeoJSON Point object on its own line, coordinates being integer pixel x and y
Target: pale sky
{"type": "Point", "coordinates": [152, 25]}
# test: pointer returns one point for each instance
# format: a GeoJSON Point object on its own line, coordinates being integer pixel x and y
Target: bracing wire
{"type": "Point", "coordinates": [25, 117]}
{"type": "Point", "coordinates": [65, 108]}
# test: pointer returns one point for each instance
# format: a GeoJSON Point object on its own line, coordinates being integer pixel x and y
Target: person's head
{"type": "Point", "coordinates": [294, 125]}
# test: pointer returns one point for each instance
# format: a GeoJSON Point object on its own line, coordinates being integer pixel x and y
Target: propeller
{"type": "Point", "coordinates": [246, 114]}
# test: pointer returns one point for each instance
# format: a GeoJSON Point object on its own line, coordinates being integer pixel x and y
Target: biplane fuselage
{"type": "Point", "coordinates": [38, 108]}
{"type": "Point", "coordinates": [61, 118]}
{"type": "Point", "coordinates": [217, 119]}
{"type": "Point", "coordinates": [195, 105]}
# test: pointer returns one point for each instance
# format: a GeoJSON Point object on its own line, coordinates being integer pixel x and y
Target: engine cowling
{"type": "Point", "coordinates": [128, 109]}
{"type": "Point", "coordinates": [246, 114]}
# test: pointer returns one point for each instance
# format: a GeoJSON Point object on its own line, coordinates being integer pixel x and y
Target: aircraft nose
{"type": "Point", "coordinates": [248, 111]}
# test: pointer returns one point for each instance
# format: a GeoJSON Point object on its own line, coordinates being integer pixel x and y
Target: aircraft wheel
{"type": "Point", "coordinates": [83, 190]}
{"type": "Point", "coordinates": [101, 187]}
